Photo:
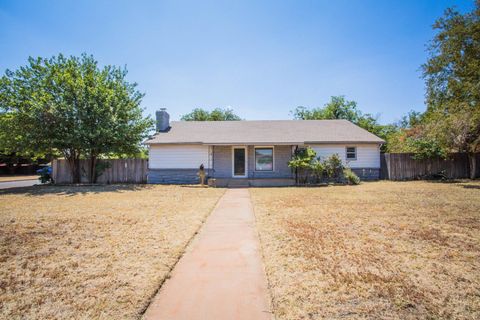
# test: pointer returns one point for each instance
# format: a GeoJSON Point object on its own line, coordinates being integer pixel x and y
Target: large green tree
{"type": "Point", "coordinates": [452, 75]}
{"type": "Point", "coordinates": [340, 108]}
{"type": "Point", "coordinates": [71, 106]}
{"type": "Point", "coordinates": [337, 108]}
{"type": "Point", "coordinates": [217, 114]}
{"type": "Point", "coordinates": [409, 136]}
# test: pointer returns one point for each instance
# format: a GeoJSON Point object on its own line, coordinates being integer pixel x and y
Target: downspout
{"type": "Point", "coordinates": [213, 161]}
{"type": "Point", "coordinates": [296, 169]}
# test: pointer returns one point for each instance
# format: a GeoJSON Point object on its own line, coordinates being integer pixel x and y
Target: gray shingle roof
{"type": "Point", "coordinates": [263, 132]}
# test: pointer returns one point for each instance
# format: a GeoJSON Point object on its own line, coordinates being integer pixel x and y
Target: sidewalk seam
{"type": "Point", "coordinates": [270, 293]}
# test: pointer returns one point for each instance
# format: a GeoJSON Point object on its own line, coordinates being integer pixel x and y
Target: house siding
{"type": "Point", "coordinates": [174, 176]}
{"type": "Point", "coordinates": [367, 174]}
{"type": "Point", "coordinates": [178, 157]}
{"type": "Point", "coordinates": [368, 155]}
{"type": "Point", "coordinates": [222, 163]}
{"type": "Point", "coordinates": [178, 164]}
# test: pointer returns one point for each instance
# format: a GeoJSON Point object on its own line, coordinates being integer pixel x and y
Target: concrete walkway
{"type": "Point", "coordinates": [221, 275]}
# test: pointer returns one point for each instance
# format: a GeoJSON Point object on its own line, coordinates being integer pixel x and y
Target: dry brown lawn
{"type": "Point", "coordinates": [381, 250]}
{"type": "Point", "coordinates": [92, 252]}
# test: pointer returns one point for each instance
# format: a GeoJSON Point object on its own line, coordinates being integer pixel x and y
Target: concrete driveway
{"type": "Point", "coordinates": [16, 184]}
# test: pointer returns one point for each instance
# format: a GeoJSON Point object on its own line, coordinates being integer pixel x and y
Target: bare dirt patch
{"type": "Point", "coordinates": [382, 250]}
{"type": "Point", "coordinates": [92, 252]}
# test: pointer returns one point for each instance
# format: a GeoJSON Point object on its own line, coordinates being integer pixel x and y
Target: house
{"type": "Point", "coordinates": [254, 152]}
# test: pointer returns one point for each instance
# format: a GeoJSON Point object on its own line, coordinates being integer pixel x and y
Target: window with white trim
{"type": "Point", "coordinates": [263, 159]}
{"type": "Point", "coordinates": [351, 153]}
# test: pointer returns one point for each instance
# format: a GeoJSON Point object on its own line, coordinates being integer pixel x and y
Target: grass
{"type": "Point", "coordinates": [18, 178]}
{"type": "Point", "coordinates": [92, 252]}
{"type": "Point", "coordinates": [381, 250]}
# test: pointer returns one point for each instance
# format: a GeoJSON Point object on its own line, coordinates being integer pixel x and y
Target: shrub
{"type": "Point", "coordinates": [350, 176]}
{"type": "Point", "coordinates": [301, 162]}
{"type": "Point", "coordinates": [309, 169]}
{"type": "Point", "coordinates": [334, 168]}
{"type": "Point", "coordinates": [318, 168]}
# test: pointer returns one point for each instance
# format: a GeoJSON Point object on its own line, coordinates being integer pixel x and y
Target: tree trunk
{"type": "Point", "coordinates": [473, 164]}
{"type": "Point", "coordinates": [76, 173]}
{"type": "Point", "coordinates": [73, 160]}
{"type": "Point", "coordinates": [92, 175]}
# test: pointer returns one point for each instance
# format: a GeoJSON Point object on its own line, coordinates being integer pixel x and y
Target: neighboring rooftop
{"type": "Point", "coordinates": [263, 132]}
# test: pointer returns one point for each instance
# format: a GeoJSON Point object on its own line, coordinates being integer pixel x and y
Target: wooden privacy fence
{"type": "Point", "coordinates": [394, 166]}
{"type": "Point", "coordinates": [119, 171]}
{"type": "Point", "coordinates": [403, 166]}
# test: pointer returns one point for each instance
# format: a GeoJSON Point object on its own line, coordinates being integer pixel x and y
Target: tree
{"type": "Point", "coordinates": [301, 161]}
{"type": "Point", "coordinates": [12, 153]}
{"type": "Point", "coordinates": [217, 114]}
{"type": "Point", "coordinates": [408, 136]}
{"type": "Point", "coordinates": [412, 119]}
{"type": "Point", "coordinates": [12, 161]}
{"type": "Point", "coordinates": [340, 108]}
{"type": "Point", "coordinates": [452, 76]}
{"type": "Point", "coordinates": [72, 107]}
{"type": "Point", "coordinates": [337, 108]}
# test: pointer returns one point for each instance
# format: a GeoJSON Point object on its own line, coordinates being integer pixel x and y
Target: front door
{"type": "Point", "coordinates": [239, 162]}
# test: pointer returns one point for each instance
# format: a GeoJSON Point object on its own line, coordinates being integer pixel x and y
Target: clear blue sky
{"type": "Point", "coordinates": [261, 58]}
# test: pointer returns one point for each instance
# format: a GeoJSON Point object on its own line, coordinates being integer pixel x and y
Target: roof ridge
{"type": "Point", "coordinates": [240, 121]}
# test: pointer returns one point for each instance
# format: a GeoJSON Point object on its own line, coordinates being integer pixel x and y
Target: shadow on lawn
{"type": "Point", "coordinates": [193, 186]}
{"type": "Point", "coordinates": [72, 190]}
{"type": "Point", "coordinates": [470, 186]}
{"type": "Point", "coordinates": [464, 183]}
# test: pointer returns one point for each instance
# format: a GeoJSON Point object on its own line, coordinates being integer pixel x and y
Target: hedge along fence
{"type": "Point", "coordinates": [403, 166]}
{"type": "Point", "coordinates": [117, 171]}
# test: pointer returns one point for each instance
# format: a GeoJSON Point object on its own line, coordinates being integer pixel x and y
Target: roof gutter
{"type": "Point", "coordinates": [263, 143]}
{"type": "Point", "coordinates": [344, 142]}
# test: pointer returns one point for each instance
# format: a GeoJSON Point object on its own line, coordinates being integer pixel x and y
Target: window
{"type": "Point", "coordinates": [263, 159]}
{"type": "Point", "coordinates": [351, 153]}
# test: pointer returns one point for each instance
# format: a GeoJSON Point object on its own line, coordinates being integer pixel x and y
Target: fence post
{"type": "Point", "coordinates": [54, 169]}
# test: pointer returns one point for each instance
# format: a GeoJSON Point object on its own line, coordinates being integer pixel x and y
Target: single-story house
{"type": "Point", "coordinates": [254, 152]}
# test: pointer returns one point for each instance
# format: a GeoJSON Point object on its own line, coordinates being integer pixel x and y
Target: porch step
{"type": "Point", "coordinates": [245, 183]}
{"type": "Point", "coordinates": [238, 183]}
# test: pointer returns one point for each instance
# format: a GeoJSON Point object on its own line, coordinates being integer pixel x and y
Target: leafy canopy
{"type": "Point", "coordinates": [218, 114]}
{"type": "Point", "coordinates": [452, 76]}
{"type": "Point", "coordinates": [340, 108]}
{"type": "Point", "coordinates": [72, 106]}
{"type": "Point", "coordinates": [409, 137]}
{"type": "Point", "coordinates": [451, 122]}
{"type": "Point", "coordinates": [302, 158]}
{"type": "Point", "coordinates": [337, 108]}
